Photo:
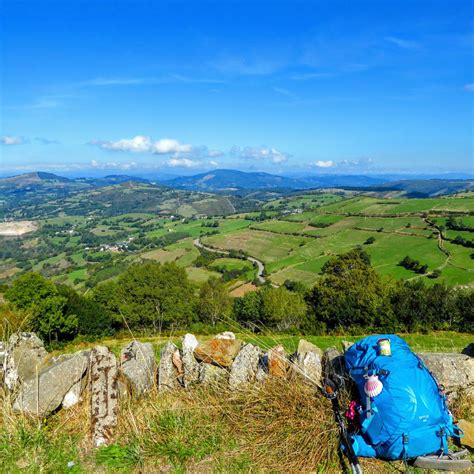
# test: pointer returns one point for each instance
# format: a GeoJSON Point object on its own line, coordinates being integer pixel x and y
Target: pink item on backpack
{"type": "Point", "coordinates": [373, 386]}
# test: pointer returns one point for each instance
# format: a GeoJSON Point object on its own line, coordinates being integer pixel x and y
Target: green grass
{"type": "Point", "coordinates": [280, 226]}
{"type": "Point", "coordinates": [232, 264]}
{"type": "Point", "coordinates": [80, 274]}
{"type": "Point", "coordinates": [200, 275]}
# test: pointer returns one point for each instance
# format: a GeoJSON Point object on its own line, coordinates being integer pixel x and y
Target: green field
{"type": "Point", "coordinates": [398, 228]}
{"type": "Point", "coordinates": [293, 237]}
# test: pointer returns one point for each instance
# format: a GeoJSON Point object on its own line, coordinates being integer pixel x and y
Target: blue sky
{"type": "Point", "coordinates": [285, 87]}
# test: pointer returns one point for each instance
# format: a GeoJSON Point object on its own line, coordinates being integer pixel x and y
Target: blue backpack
{"type": "Point", "coordinates": [409, 417]}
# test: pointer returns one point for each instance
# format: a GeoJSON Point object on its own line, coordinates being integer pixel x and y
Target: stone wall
{"type": "Point", "coordinates": [41, 384]}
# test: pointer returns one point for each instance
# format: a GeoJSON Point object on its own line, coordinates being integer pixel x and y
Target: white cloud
{"type": "Point", "coordinates": [144, 144]}
{"type": "Point", "coordinates": [214, 153]}
{"type": "Point", "coordinates": [12, 140]}
{"type": "Point", "coordinates": [214, 163]}
{"type": "Point", "coordinates": [271, 155]}
{"type": "Point", "coordinates": [168, 145]}
{"type": "Point", "coordinates": [324, 164]}
{"type": "Point", "coordinates": [113, 165]}
{"type": "Point", "coordinates": [469, 87]}
{"type": "Point", "coordinates": [182, 162]}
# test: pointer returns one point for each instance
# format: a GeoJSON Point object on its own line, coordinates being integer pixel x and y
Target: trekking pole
{"type": "Point", "coordinates": [330, 391]}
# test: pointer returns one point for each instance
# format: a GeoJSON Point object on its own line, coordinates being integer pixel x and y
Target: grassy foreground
{"type": "Point", "coordinates": [281, 426]}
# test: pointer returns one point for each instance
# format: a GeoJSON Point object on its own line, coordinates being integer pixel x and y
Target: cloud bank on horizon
{"type": "Point", "coordinates": [316, 87]}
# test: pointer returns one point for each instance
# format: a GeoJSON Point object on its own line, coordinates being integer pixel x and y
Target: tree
{"type": "Point", "coordinates": [248, 308]}
{"type": "Point", "coordinates": [40, 299]}
{"type": "Point", "coordinates": [282, 309]}
{"type": "Point", "coordinates": [350, 294]}
{"type": "Point", "coordinates": [92, 318]}
{"type": "Point", "coordinates": [418, 307]}
{"type": "Point", "coordinates": [214, 301]}
{"type": "Point", "coordinates": [153, 295]}
{"type": "Point", "coordinates": [295, 286]}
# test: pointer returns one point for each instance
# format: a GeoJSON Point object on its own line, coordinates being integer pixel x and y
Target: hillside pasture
{"type": "Point", "coordinates": [281, 227]}
{"type": "Point", "coordinates": [266, 246]}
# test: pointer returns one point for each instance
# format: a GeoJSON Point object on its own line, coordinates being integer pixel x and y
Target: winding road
{"type": "Point", "coordinates": [260, 265]}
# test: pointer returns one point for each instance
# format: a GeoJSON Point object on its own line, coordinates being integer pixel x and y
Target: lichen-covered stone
{"type": "Point", "coordinates": [190, 364]}
{"type": "Point", "coordinates": [24, 358]}
{"type": "Point", "coordinates": [307, 363]}
{"type": "Point", "coordinates": [167, 372]}
{"type": "Point", "coordinates": [212, 375]}
{"type": "Point", "coordinates": [305, 346]}
{"type": "Point", "coordinates": [219, 352]}
{"type": "Point", "coordinates": [453, 371]}
{"type": "Point", "coordinates": [74, 394]}
{"type": "Point", "coordinates": [43, 394]}
{"type": "Point", "coordinates": [244, 368]}
{"type": "Point", "coordinates": [104, 394]}
{"type": "Point", "coordinates": [138, 365]}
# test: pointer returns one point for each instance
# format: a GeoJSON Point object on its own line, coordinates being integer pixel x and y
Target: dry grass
{"type": "Point", "coordinates": [280, 426]}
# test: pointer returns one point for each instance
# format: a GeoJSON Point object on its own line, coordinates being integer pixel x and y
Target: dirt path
{"type": "Point", "coordinates": [260, 265]}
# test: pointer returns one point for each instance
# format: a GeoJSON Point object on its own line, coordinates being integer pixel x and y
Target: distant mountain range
{"type": "Point", "coordinates": [41, 179]}
{"type": "Point", "coordinates": [232, 180]}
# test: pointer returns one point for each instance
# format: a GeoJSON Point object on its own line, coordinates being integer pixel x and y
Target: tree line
{"type": "Point", "coordinates": [151, 297]}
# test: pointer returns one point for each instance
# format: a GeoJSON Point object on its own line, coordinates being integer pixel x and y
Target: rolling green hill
{"type": "Point", "coordinates": [92, 235]}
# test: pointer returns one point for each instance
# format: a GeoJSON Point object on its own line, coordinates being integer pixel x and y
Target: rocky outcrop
{"type": "Point", "coordinates": [104, 394]}
{"type": "Point", "coordinates": [244, 368]}
{"type": "Point", "coordinates": [167, 372]}
{"type": "Point", "coordinates": [308, 362]}
{"type": "Point", "coordinates": [40, 395]}
{"type": "Point", "coordinates": [138, 365]}
{"type": "Point", "coordinates": [453, 371]}
{"type": "Point", "coordinates": [24, 358]}
{"type": "Point", "coordinates": [190, 364]}
{"type": "Point", "coordinates": [221, 352]}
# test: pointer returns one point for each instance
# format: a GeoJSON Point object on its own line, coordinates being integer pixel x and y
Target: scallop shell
{"type": "Point", "coordinates": [373, 386]}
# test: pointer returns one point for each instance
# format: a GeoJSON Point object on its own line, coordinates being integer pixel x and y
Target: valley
{"type": "Point", "coordinates": [90, 236]}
